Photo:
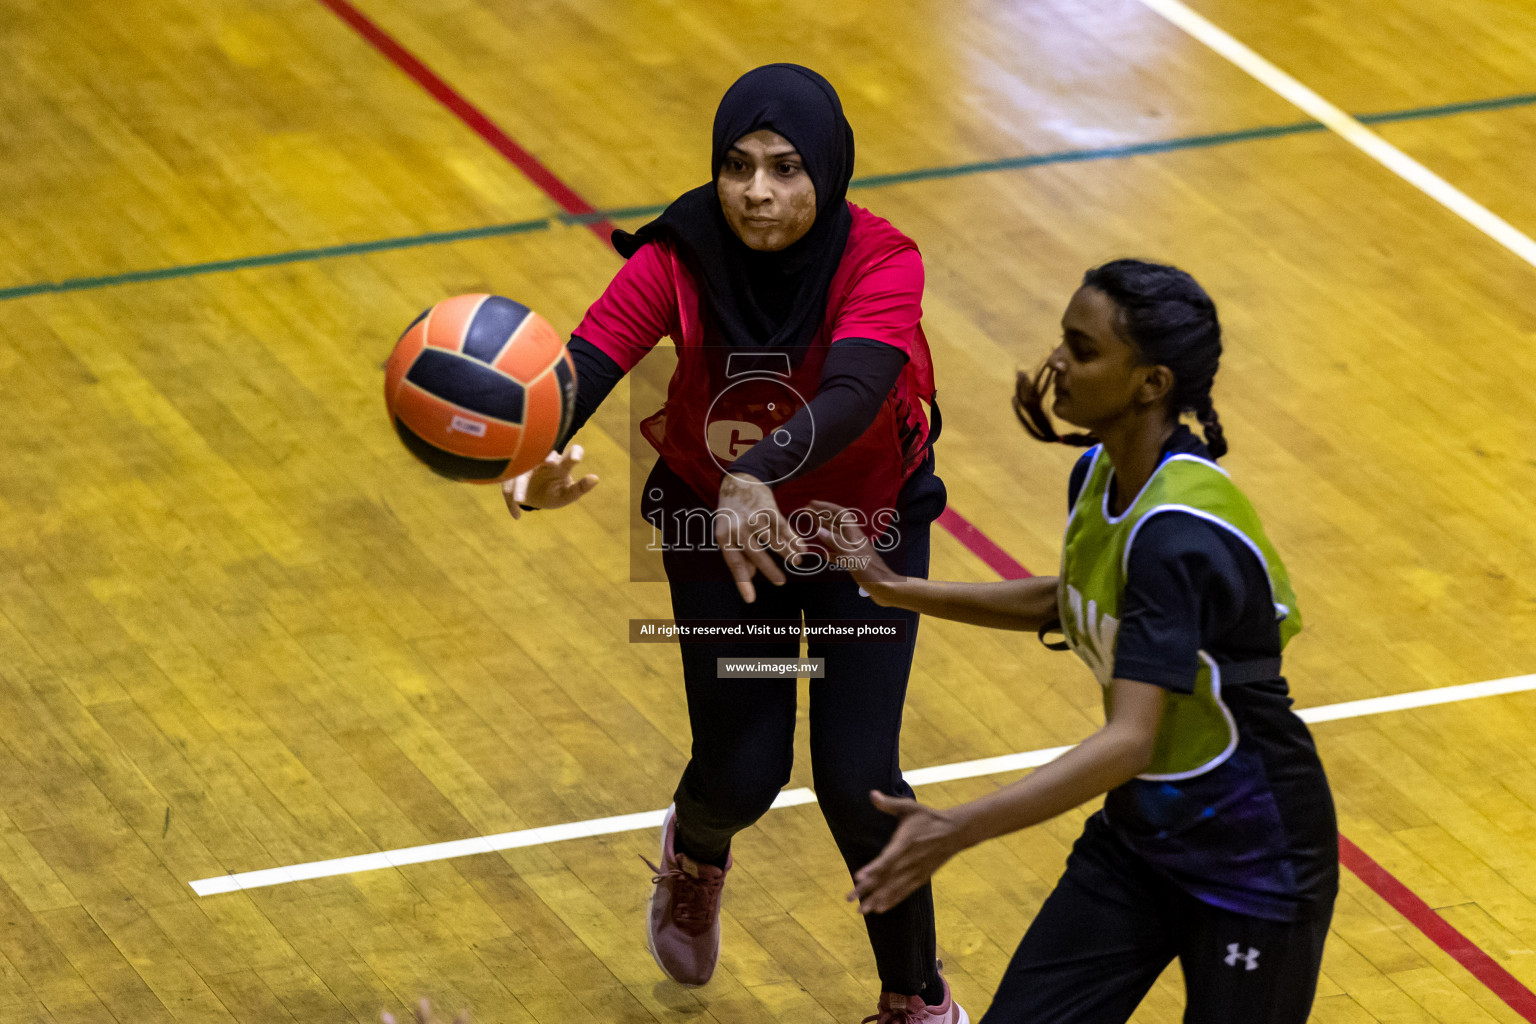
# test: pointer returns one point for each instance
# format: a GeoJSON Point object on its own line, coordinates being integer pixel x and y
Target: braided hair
{"type": "Point", "coordinates": [1171, 322]}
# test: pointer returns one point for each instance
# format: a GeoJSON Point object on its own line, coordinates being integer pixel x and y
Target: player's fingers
{"type": "Point", "coordinates": [742, 571]}
{"type": "Point", "coordinates": [387, 1017]}
{"type": "Point", "coordinates": [770, 569]}
{"type": "Point", "coordinates": [869, 877]}
{"type": "Point", "coordinates": [569, 490]}
{"type": "Point", "coordinates": [727, 526]}
{"type": "Point", "coordinates": [736, 553]}
{"type": "Point", "coordinates": [550, 467]}
{"type": "Point", "coordinates": [887, 897]}
{"type": "Point", "coordinates": [827, 514]}
{"type": "Point", "coordinates": [790, 543]}
{"type": "Point", "coordinates": [773, 535]}
{"type": "Point", "coordinates": [834, 542]}
{"type": "Point", "coordinates": [868, 895]}
{"type": "Point", "coordinates": [795, 546]}
{"type": "Point", "coordinates": [899, 806]}
{"type": "Point", "coordinates": [878, 897]}
{"type": "Point", "coordinates": [763, 562]}
{"type": "Point", "coordinates": [846, 535]}
{"type": "Point", "coordinates": [509, 495]}
{"type": "Point", "coordinates": [423, 1012]}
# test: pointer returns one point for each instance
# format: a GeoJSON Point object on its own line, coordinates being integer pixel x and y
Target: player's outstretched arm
{"type": "Point", "coordinates": [927, 837]}
{"type": "Point", "coordinates": [549, 484]}
{"type": "Point", "coordinates": [1025, 604]}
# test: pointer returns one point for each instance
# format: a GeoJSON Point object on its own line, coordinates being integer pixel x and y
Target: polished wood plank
{"type": "Point", "coordinates": [1389, 56]}
{"type": "Point", "coordinates": [240, 628]}
{"type": "Point", "coordinates": [182, 132]}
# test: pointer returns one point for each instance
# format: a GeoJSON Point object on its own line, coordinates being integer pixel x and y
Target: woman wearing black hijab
{"type": "Point", "coordinates": [773, 288]}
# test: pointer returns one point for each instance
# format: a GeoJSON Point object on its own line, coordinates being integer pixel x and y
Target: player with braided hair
{"type": "Point", "coordinates": [1210, 426]}
{"type": "Point", "coordinates": [1217, 842]}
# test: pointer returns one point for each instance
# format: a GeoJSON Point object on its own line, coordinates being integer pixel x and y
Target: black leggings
{"type": "Point", "coordinates": [1113, 923]}
{"type": "Point", "coordinates": [743, 729]}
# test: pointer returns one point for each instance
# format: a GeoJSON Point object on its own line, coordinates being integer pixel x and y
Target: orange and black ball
{"type": "Point", "coordinates": [479, 388]}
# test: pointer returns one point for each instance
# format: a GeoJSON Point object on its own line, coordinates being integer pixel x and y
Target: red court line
{"type": "Point", "coordinates": [1483, 967]}
{"type": "Point", "coordinates": [982, 546]}
{"type": "Point", "coordinates": [570, 201]}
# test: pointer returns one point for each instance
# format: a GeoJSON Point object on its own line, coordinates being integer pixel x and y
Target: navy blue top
{"type": "Point", "coordinates": [1257, 834]}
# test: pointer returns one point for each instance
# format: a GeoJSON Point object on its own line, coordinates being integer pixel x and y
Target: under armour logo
{"type": "Point", "coordinates": [1251, 958]}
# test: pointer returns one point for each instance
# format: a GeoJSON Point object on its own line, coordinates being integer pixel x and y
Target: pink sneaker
{"type": "Point", "coordinates": [683, 925]}
{"type": "Point", "coordinates": [899, 1009]}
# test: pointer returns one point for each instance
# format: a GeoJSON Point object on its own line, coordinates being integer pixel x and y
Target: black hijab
{"type": "Point", "coordinates": [762, 299]}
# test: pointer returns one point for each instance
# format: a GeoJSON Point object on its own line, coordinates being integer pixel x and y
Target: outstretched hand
{"type": "Point", "coordinates": [846, 542]}
{"type": "Point", "coordinates": [924, 840]}
{"type": "Point", "coordinates": [748, 526]}
{"type": "Point", "coordinates": [424, 1015]}
{"type": "Point", "coordinates": [549, 484]}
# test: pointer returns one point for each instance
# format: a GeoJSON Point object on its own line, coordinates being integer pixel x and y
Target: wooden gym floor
{"type": "Point", "coordinates": [241, 630]}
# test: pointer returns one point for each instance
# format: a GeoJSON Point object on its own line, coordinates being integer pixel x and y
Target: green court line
{"type": "Point", "coordinates": [1523, 99]}
{"type": "Point", "coordinates": [1014, 163]}
{"type": "Point", "coordinates": [76, 284]}
{"type": "Point", "coordinates": [621, 213]}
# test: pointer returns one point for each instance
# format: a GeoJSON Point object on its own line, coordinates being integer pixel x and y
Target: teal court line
{"type": "Point", "coordinates": [77, 284]}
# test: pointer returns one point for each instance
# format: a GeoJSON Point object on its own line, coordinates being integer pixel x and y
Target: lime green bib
{"type": "Point", "coordinates": [1197, 731]}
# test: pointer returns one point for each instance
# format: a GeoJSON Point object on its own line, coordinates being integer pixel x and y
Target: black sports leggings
{"type": "Point", "coordinates": [1113, 923]}
{"type": "Point", "coordinates": [743, 729]}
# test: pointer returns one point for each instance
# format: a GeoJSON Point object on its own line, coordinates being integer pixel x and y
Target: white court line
{"type": "Point", "coordinates": [788, 798]}
{"type": "Point", "coordinates": [1357, 134]}
{"type": "Point", "coordinates": [1417, 699]}
{"type": "Point", "coordinates": [456, 848]}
